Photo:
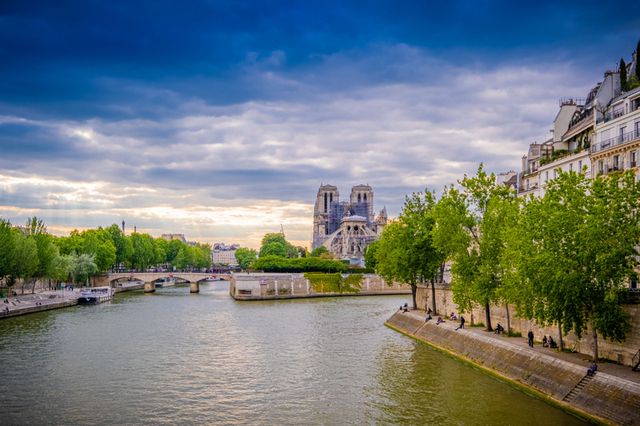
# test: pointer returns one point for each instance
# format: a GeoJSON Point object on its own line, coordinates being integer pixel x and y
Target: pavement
{"type": "Point", "coordinates": [40, 301]}
{"type": "Point", "coordinates": [583, 360]}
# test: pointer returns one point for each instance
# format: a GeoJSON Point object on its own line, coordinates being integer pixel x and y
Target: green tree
{"type": "Point", "coordinates": [275, 244]}
{"type": "Point", "coordinates": [637, 72]}
{"type": "Point", "coordinates": [61, 268]}
{"type": "Point", "coordinates": [97, 242]}
{"type": "Point", "coordinates": [82, 266]}
{"type": "Point", "coordinates": [623, 75]}
{"type": "Point", "coordinates": [25, 264]}
{"type": "Point", "coordinates": [121, 243]}
{"type": "Point", "coordinates": [173, 248]}
{"type": "Point", "coordinates": [469, 231]}
{"type": "Point", "coordinates": [143, 254]}
{"type": "Point", "coordinates": [318, 251]}
{"type": "Point", "coordinates": [7, 249]}
{"type": "Point", "coordinates": [245, 256]}
{"type": "Point", "coordinates": [579, 245]}
{"type": "Point", "coordinates": [393, 257]}
{"type": "Point", "coordinates": [426, 259]}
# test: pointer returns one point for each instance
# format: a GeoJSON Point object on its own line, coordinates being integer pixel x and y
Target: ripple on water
{"type": "Point", "coordinates": [172, 357]}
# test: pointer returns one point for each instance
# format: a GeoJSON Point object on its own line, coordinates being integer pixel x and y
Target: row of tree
{"type": "Point", "coordinates": [30, 253]}
{"type": "Point", "coordinates": [564, 258]}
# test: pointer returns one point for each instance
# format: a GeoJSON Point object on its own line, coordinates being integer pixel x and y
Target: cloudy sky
{"type": "Point", "coordinates": [220, 120]}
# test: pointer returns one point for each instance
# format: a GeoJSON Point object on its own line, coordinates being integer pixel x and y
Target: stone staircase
{"type": "Point", "coordinates": [577, 388]}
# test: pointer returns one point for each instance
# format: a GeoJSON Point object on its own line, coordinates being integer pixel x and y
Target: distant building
{"type": "Point", "coordinates": [346, 228]}
{"type": "Point", "coordinates": [222, 254]}
{"type": "Point", "coordinates": [170, 237]}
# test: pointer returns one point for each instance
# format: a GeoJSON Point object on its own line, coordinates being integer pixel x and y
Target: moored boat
{"type": "Point", "coordinates": [165, 282]}
{"type": "Point", "coordinates": [95, 295]}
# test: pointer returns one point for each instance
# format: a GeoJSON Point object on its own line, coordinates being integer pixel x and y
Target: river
{"type": "Point", "coordinates": [176, 358]}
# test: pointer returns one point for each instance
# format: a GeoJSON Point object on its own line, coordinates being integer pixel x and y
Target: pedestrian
{"type": "Point", "coordinates": [530, 336]}
{"type": "Point", "coordinates": [461, 323]}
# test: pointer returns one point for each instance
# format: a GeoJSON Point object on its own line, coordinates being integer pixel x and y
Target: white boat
{"type": "Point", "coordinates": [95, 295]}
{"type": "Point", "coordinates": [165, 282]}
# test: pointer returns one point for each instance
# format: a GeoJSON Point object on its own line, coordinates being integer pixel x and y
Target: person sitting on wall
{"type": "Point", "coordinates": [552, 343]}
{"type": "Point", "coordinates": [453, 316]}
{"type": "Point", "coordinates": [592, 369]}
{"type": "Point", "coordinates": [405, 308]}
{"type": "Point", "coordinates": [545, 343]}
{"type": "Point", "coordinates": [499, 329]}
{"type": "Point", "coordinates": [440, 321]}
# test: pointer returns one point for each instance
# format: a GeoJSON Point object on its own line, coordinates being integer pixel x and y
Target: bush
{"type": "Point", "coordinates": [334, 283]}
{"type": "Point", "coordinates": [301, 264]}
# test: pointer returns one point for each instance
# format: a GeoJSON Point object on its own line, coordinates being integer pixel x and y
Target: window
{"type": "Point", "coordinates": [555, 173]}
{"type": "Point", "coordinates": [632, 159]}
{"type": "Point", "coordinates": [546, 176]}
{"type": "Point", "coordinates": [616, 162]}
{"type": "Point", "coordinates": [623, 130]}
{"type": "Point", "coordinates": [570, 167]}
{"type": "Point", "coordinates": [601, 166]}
{"type": "Point", "coordinates": [580, 165]}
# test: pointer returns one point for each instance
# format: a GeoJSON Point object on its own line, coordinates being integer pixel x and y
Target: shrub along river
{"type": "Point", "coordinates": [173, 357]}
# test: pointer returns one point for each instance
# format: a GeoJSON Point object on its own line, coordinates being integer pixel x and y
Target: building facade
{"type": "Point", "coordinates": [346, 228]}
{"type": "Point", "coordinates": [222, 254]}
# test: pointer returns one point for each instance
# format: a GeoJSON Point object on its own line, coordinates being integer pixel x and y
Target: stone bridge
{"type": "Point", "coordinates": [149, 278]}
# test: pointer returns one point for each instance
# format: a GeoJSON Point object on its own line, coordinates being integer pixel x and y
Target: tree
{"type": "Point", "coordinates": [245, 256]}
{"type": "Point", "coordinates": [427, 259]}
{"type": "Point", "coordinates": [623, 75]}
{"type": "Point", "coordinates": [143, 254]}
{"type": "Point", "coordinates": [393, 262]}
{"type": "Point", "coordinates": [275, 244]}
{"type": "Point", "coordinates": [637, 73]}
{"type": "Point", "coordinates": [25, 262]}
{"type": "Point", "coordinates": [318, 251]}
{"type": "Point", "coordinates": [468, 230]}
{"type": "Point", "coordinates": [370, 254]}
{"type": "Point", "coordinates": [97, 242]}
{"type": "Point", "coordinates": [121, 243]}
{"type": "Point", "coordinates": [578, 247]}
{"type": "Point", "coordinates": [82, 267]}
{"type": "Point", "coordinates": [7, 249]}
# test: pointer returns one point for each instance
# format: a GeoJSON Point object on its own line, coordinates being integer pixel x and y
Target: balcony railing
{"type": "Point", "coordinates": [615, 141]}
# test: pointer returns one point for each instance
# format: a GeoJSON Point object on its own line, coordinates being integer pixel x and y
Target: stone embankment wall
{"type": "Point", "coordinates": [264, 286]}
{"type": "Point", "coordinates": [605, 397]}
{"type": "Point", "coordinates": [621, 353]}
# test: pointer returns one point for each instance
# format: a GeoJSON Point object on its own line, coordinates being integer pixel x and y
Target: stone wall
{"type": "Point", "coordinates": [614, 351]}
{"type": "Point", "coordinates": [260, 286]}
{"type": "Point", "coordinates": [605, 397]}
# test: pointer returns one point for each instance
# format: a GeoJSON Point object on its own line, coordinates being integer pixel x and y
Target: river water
{"type": "Point", "coordinates": [176, 358]}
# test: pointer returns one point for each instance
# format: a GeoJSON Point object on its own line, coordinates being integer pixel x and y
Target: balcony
{"type": "Point", "coordinates": [615, 141]}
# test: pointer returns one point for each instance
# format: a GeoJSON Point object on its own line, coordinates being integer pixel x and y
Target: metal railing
{"type": "Point", "coordinates": [615, 141]}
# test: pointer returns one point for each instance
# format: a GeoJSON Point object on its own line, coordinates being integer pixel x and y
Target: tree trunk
{"type": "Point", "coordinates": [506, 305]}
{"type": "Point", "coordinates": [487, 313]}
{"type": "Point", "coordinates": [414, 290]}
{"type": "Point", "coordinates": [433, 295]}
{"type": "Point", "coordinates": [560, 335]}
{"type": "Point", "coordinates": [595, 343]}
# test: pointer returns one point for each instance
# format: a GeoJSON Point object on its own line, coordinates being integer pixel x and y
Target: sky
{"type": "Point", "coordinates": [220, 120]}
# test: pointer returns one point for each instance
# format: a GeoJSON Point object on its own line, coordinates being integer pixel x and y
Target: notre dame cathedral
{"type": "Point", "coordinates": [345, 228]}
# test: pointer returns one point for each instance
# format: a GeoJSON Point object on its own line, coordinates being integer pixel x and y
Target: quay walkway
{"type": "Point", "coordinates": [611, 396]}
{"type": "Point", "coordinates": [30, 303]}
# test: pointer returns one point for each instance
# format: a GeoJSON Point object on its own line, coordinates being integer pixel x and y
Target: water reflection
{"type": "Point", "coordinates": [173, 357]}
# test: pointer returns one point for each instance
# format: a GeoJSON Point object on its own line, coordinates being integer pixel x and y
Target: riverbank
{"type": "Point", "coordinates": [552, 376]}
{"type": "Point", "coordinates": [39, 302]}
{"type": "Point", "coordinates": [51, 299]}
{"type": "Point", "coordinates": [271, 286]}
